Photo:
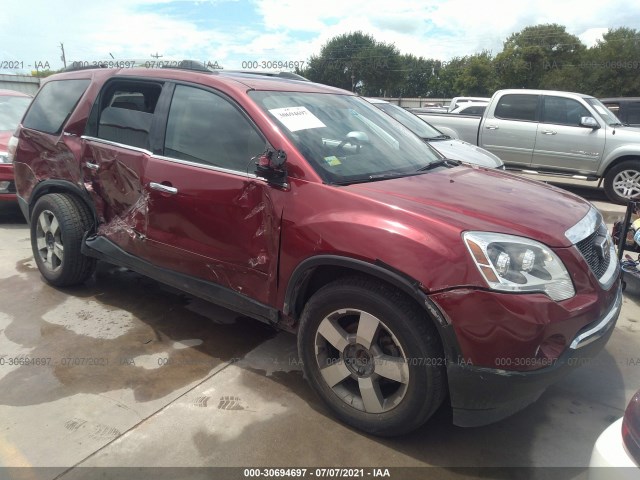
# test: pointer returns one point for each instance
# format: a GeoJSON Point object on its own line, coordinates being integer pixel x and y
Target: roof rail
{"type": "Point", "coordinates": [288, 75]}
{"type": "Point", "coordinates": [75, 66]}
{"type": "Point", "coordinates": [189, 65]}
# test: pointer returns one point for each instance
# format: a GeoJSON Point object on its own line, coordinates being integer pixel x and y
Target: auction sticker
{"type": "Point", "coordinates": [297, 118]}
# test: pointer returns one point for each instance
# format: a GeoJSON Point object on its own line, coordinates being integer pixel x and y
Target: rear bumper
{"type": "Point", "coordinates": [481, 395]}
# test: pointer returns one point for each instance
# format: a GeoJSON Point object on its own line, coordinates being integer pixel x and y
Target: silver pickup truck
{"type": "Point", "coordinates": [554, 133]}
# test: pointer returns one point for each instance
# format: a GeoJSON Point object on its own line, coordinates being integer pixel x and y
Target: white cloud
{"type": "Point", "coordinates": [31, 30]}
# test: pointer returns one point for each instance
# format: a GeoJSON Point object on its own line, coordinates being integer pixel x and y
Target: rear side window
{"type": "Point", "coordinates": [517, 107]}
{"type": "Point", "coordinates": [633, 113]}
{"type": "Point", "coordinates": [126, 112]}
{"type": "Point", "coordinates": [53, 105]}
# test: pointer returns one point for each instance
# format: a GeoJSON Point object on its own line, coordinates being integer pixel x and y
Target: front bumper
{"type": "Point", "coordinates": [481, 395]}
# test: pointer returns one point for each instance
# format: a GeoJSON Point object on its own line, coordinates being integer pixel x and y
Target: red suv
{"type": "Point", "coordinates": [407, 277]}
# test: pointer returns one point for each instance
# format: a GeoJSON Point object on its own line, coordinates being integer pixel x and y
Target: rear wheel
{"type": "Point", "coordinates": [622, 182]}
{"type": "Point", "coordinates": [372, 355]}
{"type": "Point", "coordinates": [58, 225]}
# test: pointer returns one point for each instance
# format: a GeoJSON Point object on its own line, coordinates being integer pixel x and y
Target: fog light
{"type": "Point", "coordinates": [4, 186]}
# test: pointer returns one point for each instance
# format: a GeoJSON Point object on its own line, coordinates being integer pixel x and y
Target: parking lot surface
{"type": "Point", "coordinates": [125, 372]}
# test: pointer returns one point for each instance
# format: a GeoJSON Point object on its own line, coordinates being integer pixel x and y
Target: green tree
{"type": "Point", "coordinates": [534, 53]}
{"type": "Point", "coordinates": [612, 66]}
{"type": "Point", "coordinates": [476, 76]}
{"type": "Point", "coordinates": [356, 61]}
{"type": "Point", "coordinates": [418, 77]}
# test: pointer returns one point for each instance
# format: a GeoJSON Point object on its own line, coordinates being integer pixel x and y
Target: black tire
{"type": "Point", "coordinates": [404, 330]}
{"type": "Point", "coordinates": [622, 182]}
{"type": "Point", "coordinates": [68, 220]}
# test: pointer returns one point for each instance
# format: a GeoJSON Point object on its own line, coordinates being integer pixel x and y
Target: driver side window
{"type": "Point", "coordinates": [205, 128]}
{"type": "Point", "coordinates": [563, 111]}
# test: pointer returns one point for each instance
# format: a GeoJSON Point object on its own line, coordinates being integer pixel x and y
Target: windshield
{"type": "Point", "coordinates": [604, 112]}
{"type": "Point", "coordinates": [11, 111]}
{"type": "Point", "coordinates": [344, 138]}
{"type": "Point", "coordinates": [409, 120]}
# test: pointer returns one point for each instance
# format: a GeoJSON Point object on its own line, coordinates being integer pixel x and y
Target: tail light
{"type": "Point", "coordinates": [631, 427]}
{"type": "Point", "coordinates": [11, 148]}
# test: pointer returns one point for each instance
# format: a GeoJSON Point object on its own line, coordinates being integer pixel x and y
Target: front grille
{"type": "Point", "coordinates": [598, 263]}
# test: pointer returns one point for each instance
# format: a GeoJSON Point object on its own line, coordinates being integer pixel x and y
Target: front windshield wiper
{"type": "Point", "coordinates": [445, 162]}
{"type": "Point", "coordinates": [439, 137]}
{"type": "Point", "coordinates": [375, 178]}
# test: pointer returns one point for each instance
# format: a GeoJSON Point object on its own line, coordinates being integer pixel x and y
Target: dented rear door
{"type": "Point", "coordinates": [115, 152]}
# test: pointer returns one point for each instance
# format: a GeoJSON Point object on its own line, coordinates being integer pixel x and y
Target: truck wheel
{"type": "Point", "coordinates": [58, 224]}
{"type": "Point", "coordinates": [622, 182]}
{"type": "Point", "coordinates": [372, 355]}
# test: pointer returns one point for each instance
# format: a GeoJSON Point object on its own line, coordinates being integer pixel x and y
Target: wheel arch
{"type": "Point", "coordinates": [313, 273]}
{"type": "Point", "coordinates": [60, 186]}
{"type": "Point", "coordinates": [618, 160]}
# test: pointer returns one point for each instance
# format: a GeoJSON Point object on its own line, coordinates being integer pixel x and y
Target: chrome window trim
{"type": "Point", "coordinates": [175, 160]}
{"type": "Point", "coordinates": [116, 144]}
{"type": "Point", "coordinates": [584, 227]}
{"type": "Point", "coordinates": [207, 167]}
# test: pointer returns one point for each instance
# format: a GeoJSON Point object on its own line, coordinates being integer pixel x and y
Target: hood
{"type": "Point", "coordinates": [624, 133]}
{"type": "Point", "coordinates": [473, 198]}
{"type": "Point", "coordinates": [464, 151]}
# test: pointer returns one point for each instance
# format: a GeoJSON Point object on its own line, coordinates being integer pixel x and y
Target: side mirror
{"type": "Point", "coordinates": [359, 137]}
{"type": "Point", "coordinates": [589, 122]}
{"type": "Point", "coordinates": [270, 165]}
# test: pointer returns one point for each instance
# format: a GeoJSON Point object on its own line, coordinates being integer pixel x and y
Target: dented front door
{"type": "Point", "coordinates": [208, 216]}
{"type": "Point", "coordinates": [221, 227]}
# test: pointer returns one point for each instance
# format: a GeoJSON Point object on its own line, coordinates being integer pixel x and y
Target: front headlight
{"type": "Point", "coordinates": [518, 264]}
{"type": "Point", "coordinates": [4, 157]}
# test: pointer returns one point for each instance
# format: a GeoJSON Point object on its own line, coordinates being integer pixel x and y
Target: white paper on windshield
{"type": "Point", "coordinates": [297, 118]}
{"type": "Point", "coordinates": [601, 110]}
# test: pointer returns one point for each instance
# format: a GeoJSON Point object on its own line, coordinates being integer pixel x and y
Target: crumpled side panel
{"type": "Point", "coordinates": [121, 200]}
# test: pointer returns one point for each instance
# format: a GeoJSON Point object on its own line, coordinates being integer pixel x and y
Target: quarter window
{"type": "Point", "coordinates": [205, 128]}
{"type": "Point", "coordinates": [53, 105]}
{"type": "Point", "coordinates": [517, 107]}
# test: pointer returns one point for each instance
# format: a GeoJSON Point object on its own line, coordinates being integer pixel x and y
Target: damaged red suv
{"type": "Point", "coordinates": [407, 277]}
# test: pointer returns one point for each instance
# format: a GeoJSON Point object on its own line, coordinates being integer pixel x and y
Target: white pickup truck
{"type": "Point", "coordinates": [554, 133]}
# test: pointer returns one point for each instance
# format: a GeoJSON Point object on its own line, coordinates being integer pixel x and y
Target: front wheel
{"type": "Point", "coordinates": [622, 182]}
{"type": "Point", "coordinates": [372, 355]}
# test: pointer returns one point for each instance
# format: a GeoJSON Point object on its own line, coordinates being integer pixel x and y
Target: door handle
{"type": "Point", "coordinates": [492, 127]}
{"type": "Point", "coordinates": [163, 188]}
{"type": "Point", "coordinates": [92, 166]}
{"type": "Point", "coordinates": [549, 132]}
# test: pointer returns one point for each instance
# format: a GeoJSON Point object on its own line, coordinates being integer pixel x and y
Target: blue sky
{"type": "Point", "coordinates": [232, 32]}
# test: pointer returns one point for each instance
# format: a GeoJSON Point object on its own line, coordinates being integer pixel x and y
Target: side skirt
{"type": "Point", "coordinates": [103, 249]}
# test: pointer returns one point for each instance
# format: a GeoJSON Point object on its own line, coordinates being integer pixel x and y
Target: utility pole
{"type": "Point", "coordinates": [63, 58]}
